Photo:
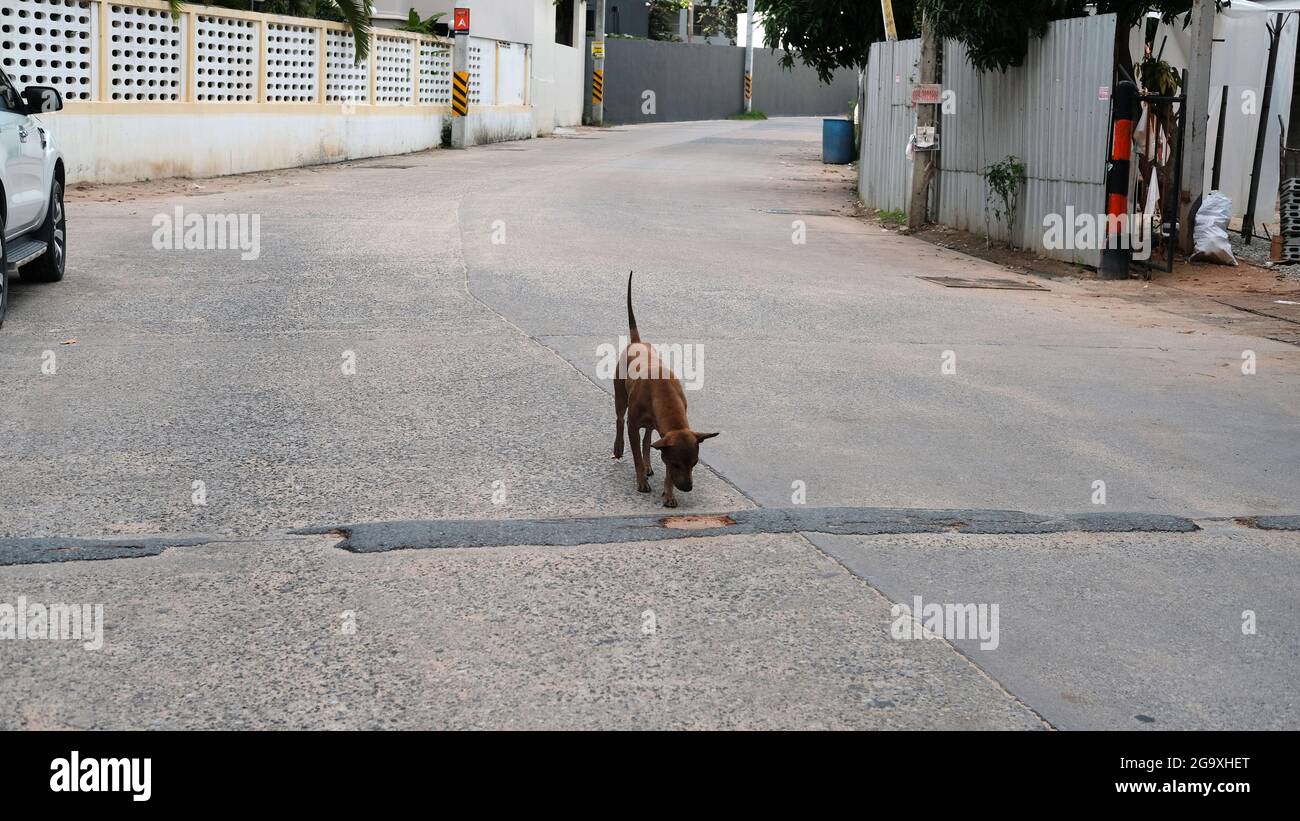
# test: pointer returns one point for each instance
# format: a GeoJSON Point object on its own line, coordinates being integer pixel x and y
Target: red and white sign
{"type": "Point", "coordinates": [927, 94]}
{"type": "Point", "coordinates": [1103, 93]}
{"type": "Point", "coordinates": [460, 20]}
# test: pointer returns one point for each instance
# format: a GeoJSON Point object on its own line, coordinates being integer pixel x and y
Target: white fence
{"type": "Point", "coordinates": [96, 50]}
{"type": "Point", "coordinates": [1050, 113]}
{"type": "Point", "coordinates": [126, 69]}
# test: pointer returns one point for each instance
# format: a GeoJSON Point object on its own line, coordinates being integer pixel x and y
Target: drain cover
{"type": "Point", "coordinates": [812, 212]}
{"type": "Point", "coordinates": [698, 522]}
{"type": "Point", "coordinates": [994, 283]}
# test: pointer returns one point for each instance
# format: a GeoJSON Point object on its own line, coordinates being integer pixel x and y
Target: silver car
{"type": "Point", "coordinates": [33, 225]}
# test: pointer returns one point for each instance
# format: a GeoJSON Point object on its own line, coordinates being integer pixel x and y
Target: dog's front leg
{"type": "Point", "coordinates": [638, 459]}
{"type": "Point", "coordinates": [669, 501]}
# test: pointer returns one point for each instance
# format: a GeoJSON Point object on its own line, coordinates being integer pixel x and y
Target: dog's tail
{"type": "Point", "coordinates": [632, 332]}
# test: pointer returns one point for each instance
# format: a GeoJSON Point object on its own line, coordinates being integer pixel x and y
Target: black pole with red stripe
{"type": "Point", "coordinates": [1116, 252]}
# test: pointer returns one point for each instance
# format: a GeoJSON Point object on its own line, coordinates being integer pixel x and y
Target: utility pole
{"type": "Point", "coordinates": [1197, 120]}
{"type": "Point", "coordinates": [887, 13]}
{"type": "Point", "coordinates": [749, 58]}
{"type": "Point", "coordinates": [1274, 35]}
{"type": "Point", "coordinates": [924, 162]}
{"type": "Point", "coordinates": [459, 77]}
{"type": "Point", "coordinates": [1115, 253]}
{"type": "Point", "coordinates": [598, 67]}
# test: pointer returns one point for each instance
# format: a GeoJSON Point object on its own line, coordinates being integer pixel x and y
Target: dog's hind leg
{"type": "Point", "coordinates": [620, 410]}
{"type": "Point", "coordinates": [645, 450]}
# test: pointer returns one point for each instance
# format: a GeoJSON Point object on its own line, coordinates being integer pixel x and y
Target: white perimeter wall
{"type": "Point", "coordinates": [558, 72]}
{"type": "Point", "coordinates": [275, 92]}
{"type": "Point", "coordinates": [142, 146]}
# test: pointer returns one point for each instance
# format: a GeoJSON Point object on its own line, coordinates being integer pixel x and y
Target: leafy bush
{"type": "Point", "coordinates": [1004, 180]}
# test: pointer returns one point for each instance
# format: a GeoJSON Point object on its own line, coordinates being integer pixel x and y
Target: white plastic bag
{"type": "Point", "coordinates": [1210, 234]}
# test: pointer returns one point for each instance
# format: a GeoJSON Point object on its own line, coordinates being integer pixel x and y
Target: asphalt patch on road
{"type": "Point", "coordinates": [378, 537]}
{"type": "Point", "coordinates": [1270, 522]}
{"type": "Point", "coordinates": [42, 550]}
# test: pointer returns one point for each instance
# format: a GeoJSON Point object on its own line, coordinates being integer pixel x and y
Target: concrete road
{"type": "Point", "coordinates": [419, 338]}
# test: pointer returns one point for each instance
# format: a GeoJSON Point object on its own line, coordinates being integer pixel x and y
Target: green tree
{"type": "Point", "coordinates": [663, 18]}
{"type": "Point", "coordinates": [720, 19]}
{"type": "Point", "coordinates": [833, 34]}
{"type": "Point", "coordinates": [829, 34]}
{"type": "Point", "coordinates": [995, 32]}
{"type": "Point", "coordinates": [415, 24]}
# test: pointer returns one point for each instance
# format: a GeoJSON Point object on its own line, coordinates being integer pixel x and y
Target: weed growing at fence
{"type": "Point", "coordinates": [892, 218]}
{"type": "Point", "coordinates": [1003, 181]}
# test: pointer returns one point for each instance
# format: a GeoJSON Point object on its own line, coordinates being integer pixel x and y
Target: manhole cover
{"type": "Point", "coordinates": [994, 283]}
{"type": "Point", "coordinates": [700, 522]}
{"type": "Point", "coordinates": [811, 212]}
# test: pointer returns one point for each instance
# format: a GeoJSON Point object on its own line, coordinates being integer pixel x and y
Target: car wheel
{"type": "Point", "coordinates": [48, 267]}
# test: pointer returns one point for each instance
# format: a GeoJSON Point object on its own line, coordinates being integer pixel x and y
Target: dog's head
{"type": "Point", "coordinates": [680, 450]}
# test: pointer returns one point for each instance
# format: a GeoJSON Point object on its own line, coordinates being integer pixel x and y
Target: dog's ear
{"type": "Point", "coordinates": [700, 437]}
{"type": "Point", "coordinates": [659, 444]}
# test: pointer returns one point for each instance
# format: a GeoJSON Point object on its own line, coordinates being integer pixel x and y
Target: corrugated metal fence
{"type": "Point", "coordinates": [1048, 113]}
{"type": "Point", "coordinates": [884, 172]}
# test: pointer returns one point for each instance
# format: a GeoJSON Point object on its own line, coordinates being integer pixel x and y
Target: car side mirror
{"type": "Point", "coordinates": [42, 99]}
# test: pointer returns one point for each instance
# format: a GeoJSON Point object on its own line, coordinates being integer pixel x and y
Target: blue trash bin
{"type": "Point", "coordinates": [837, 141]}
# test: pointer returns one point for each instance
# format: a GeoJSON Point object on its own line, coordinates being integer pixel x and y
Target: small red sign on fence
{"type": "Point", "coordinates": [461, 20]}
{"type": "Point", "coordinates": [927, 94]}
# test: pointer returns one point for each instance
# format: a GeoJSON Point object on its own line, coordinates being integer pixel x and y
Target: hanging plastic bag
{"type": "Point", "coordinates": [1210, 234]}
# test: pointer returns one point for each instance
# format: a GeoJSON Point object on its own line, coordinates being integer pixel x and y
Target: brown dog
{"type": "Point", "coordinates": [651, 397]}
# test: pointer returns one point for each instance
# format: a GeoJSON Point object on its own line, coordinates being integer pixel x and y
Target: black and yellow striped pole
{"type": "Point", "coordinates": [598, 67]}
{"type": "Point", "coordinates": [459, 93]}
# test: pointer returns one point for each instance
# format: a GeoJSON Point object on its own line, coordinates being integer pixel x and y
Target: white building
{"type": "Point", "coordinates": [760, 36]}
{"type": "Point", "coordinates": [553, 31]}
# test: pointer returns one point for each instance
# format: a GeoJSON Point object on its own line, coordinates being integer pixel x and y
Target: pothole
{"type": "Point", "coordinates": [697, 522]}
